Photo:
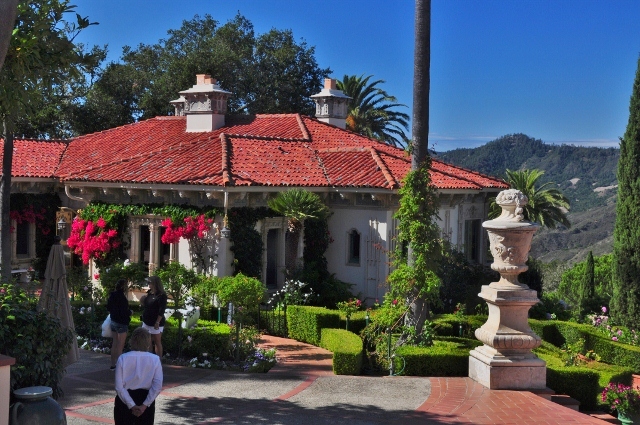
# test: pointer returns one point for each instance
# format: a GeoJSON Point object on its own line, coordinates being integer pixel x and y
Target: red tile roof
{"type": "Point", "coordinates": [34, 158]}
{"type": "Point", "coordinates": [263, 150]}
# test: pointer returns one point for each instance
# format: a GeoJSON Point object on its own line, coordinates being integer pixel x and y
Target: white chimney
{"type": "Point", "coordinates": [204, 104]}
{"type": "Point", "coordinates": [331, 104]}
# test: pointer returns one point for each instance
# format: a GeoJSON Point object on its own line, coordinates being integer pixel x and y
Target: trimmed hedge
{"type": "Point", "coordinates": [448, 357]}
{"type": "Point", "coordinates": [585, 382]}
{"type": "Point", "coordinates": [346, 348]}
{"type": "Point", "coordinates": [305, 323]}
{"type": "Point", "coordinates": [449, 325]}
{"type": "Point", "coordinates": [357, 322]}
{"type": "Point", "coordinates": [559, 333]}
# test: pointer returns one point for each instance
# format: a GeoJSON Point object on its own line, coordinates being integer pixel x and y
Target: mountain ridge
{"type": "Point", "coordinates": [586, 175]}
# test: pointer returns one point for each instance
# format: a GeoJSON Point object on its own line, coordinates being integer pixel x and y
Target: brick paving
{"type": "Point", "coordinates": [301, 389]}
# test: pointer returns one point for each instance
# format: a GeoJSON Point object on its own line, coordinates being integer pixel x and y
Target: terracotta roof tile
{"type": "Point", "coordinates": [269, 150]}
{"type": "Point", "coordinates": [35, 158]}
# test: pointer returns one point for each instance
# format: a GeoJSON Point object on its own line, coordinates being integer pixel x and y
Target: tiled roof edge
{"type": "Point", "coordinates": [303, 128]}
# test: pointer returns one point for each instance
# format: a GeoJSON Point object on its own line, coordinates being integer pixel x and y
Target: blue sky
{"type": "Point", "coordinates": [560, 70]}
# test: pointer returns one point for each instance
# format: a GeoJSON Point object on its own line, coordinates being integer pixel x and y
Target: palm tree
{"type": "Point", "coordinates": [371, 110]}
{"type": "Point", "coordinates": [547, 205]}
{"type": "Point", "coordinates": [297, 205]}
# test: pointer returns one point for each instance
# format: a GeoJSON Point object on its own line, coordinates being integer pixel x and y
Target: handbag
{"type": "Point", "coordinates": [106, 327]}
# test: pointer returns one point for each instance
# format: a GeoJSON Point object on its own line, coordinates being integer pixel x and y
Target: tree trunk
{"type": "Point", "coordinates": [5, 207]}
{"type": "Point", "coordinates": [292, 239]}
{"type": "Point", "coordinates": [418, 309]}
{"type": "Point", "coordinates": [8, 9]}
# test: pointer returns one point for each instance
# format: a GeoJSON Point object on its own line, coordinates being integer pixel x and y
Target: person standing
{"type": "Point", "coordinates": [138, 382]}
{"type": "Point", "coordinates": [154, 304]}
{"type": "Point", "coordinates": [118, 308]}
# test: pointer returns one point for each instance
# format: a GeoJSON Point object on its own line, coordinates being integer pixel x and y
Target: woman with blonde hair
{"type": "Point", "coordinates": [154, 304]}
{"type": "Point", "coordinates": [138, 382]}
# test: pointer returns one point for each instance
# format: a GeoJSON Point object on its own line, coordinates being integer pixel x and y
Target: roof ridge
{"type": "Point", "coordinates": [255, 137]}
{"type": "Point", "coordinates": [383, 167]}
{"type": "Point", "coordinates": [325, 173]}
{"type": "Point", "coordinates": [303, 128]}
{"type": "Point", "coordinates": [226, 174]}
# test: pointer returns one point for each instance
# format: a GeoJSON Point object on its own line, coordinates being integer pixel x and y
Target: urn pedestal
{"type": "Point", "coordinates": [505, 361]}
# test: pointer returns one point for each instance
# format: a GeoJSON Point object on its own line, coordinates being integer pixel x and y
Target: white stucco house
{"type": "Point", "coordinates": [202, 157]}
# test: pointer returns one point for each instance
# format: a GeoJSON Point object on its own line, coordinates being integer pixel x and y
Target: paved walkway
{"type": "Point", "coordinates": [302, 389]}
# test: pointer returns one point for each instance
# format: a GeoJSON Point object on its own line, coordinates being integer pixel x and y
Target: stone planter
{"type": "Point", "coordinates": [505, 361]}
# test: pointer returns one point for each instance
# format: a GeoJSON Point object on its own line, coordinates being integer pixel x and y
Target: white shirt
{"type": "Point", "coordinates": [136, 370]}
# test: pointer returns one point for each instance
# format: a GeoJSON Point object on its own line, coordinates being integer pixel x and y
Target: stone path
{"type": "Point", "coordinates": [302, 389]}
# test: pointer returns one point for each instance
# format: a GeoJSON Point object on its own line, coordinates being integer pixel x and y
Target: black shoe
{"type": "Point", "coordinates": [112, 368]}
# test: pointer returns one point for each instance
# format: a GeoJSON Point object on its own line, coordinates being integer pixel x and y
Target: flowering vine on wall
{"type": "Point", "coordinates": [29, 215]}
{"type": "Point", "coordinates": [198, 226]}
{"type": "Point", "coordinates": [92, 240]}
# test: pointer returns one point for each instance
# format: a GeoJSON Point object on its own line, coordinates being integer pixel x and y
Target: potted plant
{"type": "Point", "coordinates": [624, 399]}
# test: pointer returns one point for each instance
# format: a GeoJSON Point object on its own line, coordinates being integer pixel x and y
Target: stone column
{"type": "Point", "coordinates": [5, 387]}
{"type": "Point", "coordinates": [154, 248]}
{"type": "Point", "coordinates": [505, 361]}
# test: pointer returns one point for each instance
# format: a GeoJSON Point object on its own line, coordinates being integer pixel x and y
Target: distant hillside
{"type": "Point", "coordinates": [587, 176]}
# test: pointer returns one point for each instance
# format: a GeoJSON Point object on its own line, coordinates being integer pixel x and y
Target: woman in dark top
{"type": "Point", "coordinates": [118, 307]}
{"type": "Point", "coordinates": [154, 304]}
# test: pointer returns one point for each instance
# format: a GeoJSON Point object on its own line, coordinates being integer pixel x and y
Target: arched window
{"type": "Point", "coordinates": [353, 248]}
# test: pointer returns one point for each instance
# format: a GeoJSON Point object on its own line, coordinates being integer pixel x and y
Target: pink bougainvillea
{"type": "Point", "coordinates": [28, 215]}
{"type": "Point", "coordinates": [193, 226]}
{"type": "Point", "coordinates": [92, 240]}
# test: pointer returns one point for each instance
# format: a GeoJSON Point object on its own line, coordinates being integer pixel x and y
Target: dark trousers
{"type": "Point", "coordinates": [123, 416]}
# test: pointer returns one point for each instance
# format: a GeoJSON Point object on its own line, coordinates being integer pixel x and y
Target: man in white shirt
{"type": "Point", "coordinates": [138, 382]}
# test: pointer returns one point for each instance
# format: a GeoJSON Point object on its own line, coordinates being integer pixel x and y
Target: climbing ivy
{"type": "Point", "coordinates": [418, 230]}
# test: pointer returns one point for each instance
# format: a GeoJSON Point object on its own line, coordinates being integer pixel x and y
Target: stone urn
{"type": "Point", "coordinates": [505, 361]}
{"type": "Point", "coordinates": [34, 406]}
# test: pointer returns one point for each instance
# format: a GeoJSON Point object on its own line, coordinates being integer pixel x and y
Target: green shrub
{"type": "Point", "coordinates": [208, 337]}
{"type": "Point", "coordinates": [35, 339]}
{"type": "Point", "coordinates": [559, 333]}
{"type": "Point", "coordinates": [305, 323]}
{"type": "Point", "coordinates": [449, 324]}
{"type": "Point", "coordinates": [357, 321]}
{"type": "Point", "coordinates": [346, 348]}
{"type": "Point", "coordinates": [583, 382]}
{"type": "Point", "coordinates": [444, 358]}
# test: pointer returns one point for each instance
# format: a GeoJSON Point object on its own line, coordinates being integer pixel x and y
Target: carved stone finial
{"type": "Point", "coordinates": [512, 202]}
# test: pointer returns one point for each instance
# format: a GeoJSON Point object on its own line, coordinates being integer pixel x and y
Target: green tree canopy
{"type": "Point", "coordinates": [41, 54]}
{"type": "Point", "coordinates": [372, 110]}
{"type": "Point", "coordinates": [267, 73]}
{"type": "Point", "coordinates": [547, 205]}
{"type": "Point", "coordinates": [625, 304]}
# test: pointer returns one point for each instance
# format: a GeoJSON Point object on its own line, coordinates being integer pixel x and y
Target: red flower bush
{"type": "Point", "coordinates": [28, 215]}
{"type": "Point", "coordinates": [92, 240]}
{"type": "Point", "coordinates": [193, 226]}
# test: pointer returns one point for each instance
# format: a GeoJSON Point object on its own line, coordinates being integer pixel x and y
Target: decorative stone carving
{"type": "Point", "coordinates": [505, 361]}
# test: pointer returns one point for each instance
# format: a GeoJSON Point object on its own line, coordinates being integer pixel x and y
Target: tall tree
{"type": "Point", "coordinates": [296, 205]}
{"type": "Point", "coordinates": [371, 110]}
{"type": "Point", "coordinates": [416, 279]}
{"type": "Point", "coordinates": [267, 73]}
{"type": "Point", "coordinates": [547, 204]}
{"type": "Point", "coordinates": [7, 19]}
{"type": "Point", "coordinates": [41, 50]}
{"type": "Point", "coordinates": [588, 285]}
{"type": "Point", "coordinates": [625, 303]}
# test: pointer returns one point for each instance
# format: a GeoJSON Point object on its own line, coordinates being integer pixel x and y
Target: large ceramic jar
{"type": "Point", "coordinates": [34, 406]}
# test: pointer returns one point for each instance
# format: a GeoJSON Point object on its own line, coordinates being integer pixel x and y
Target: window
{"type": "Point", "coordinates": [22, 240]}
{"type": "Point", "coordinates": [353, 254]}
{"type": "Point", "coordinates": [472, 232]}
